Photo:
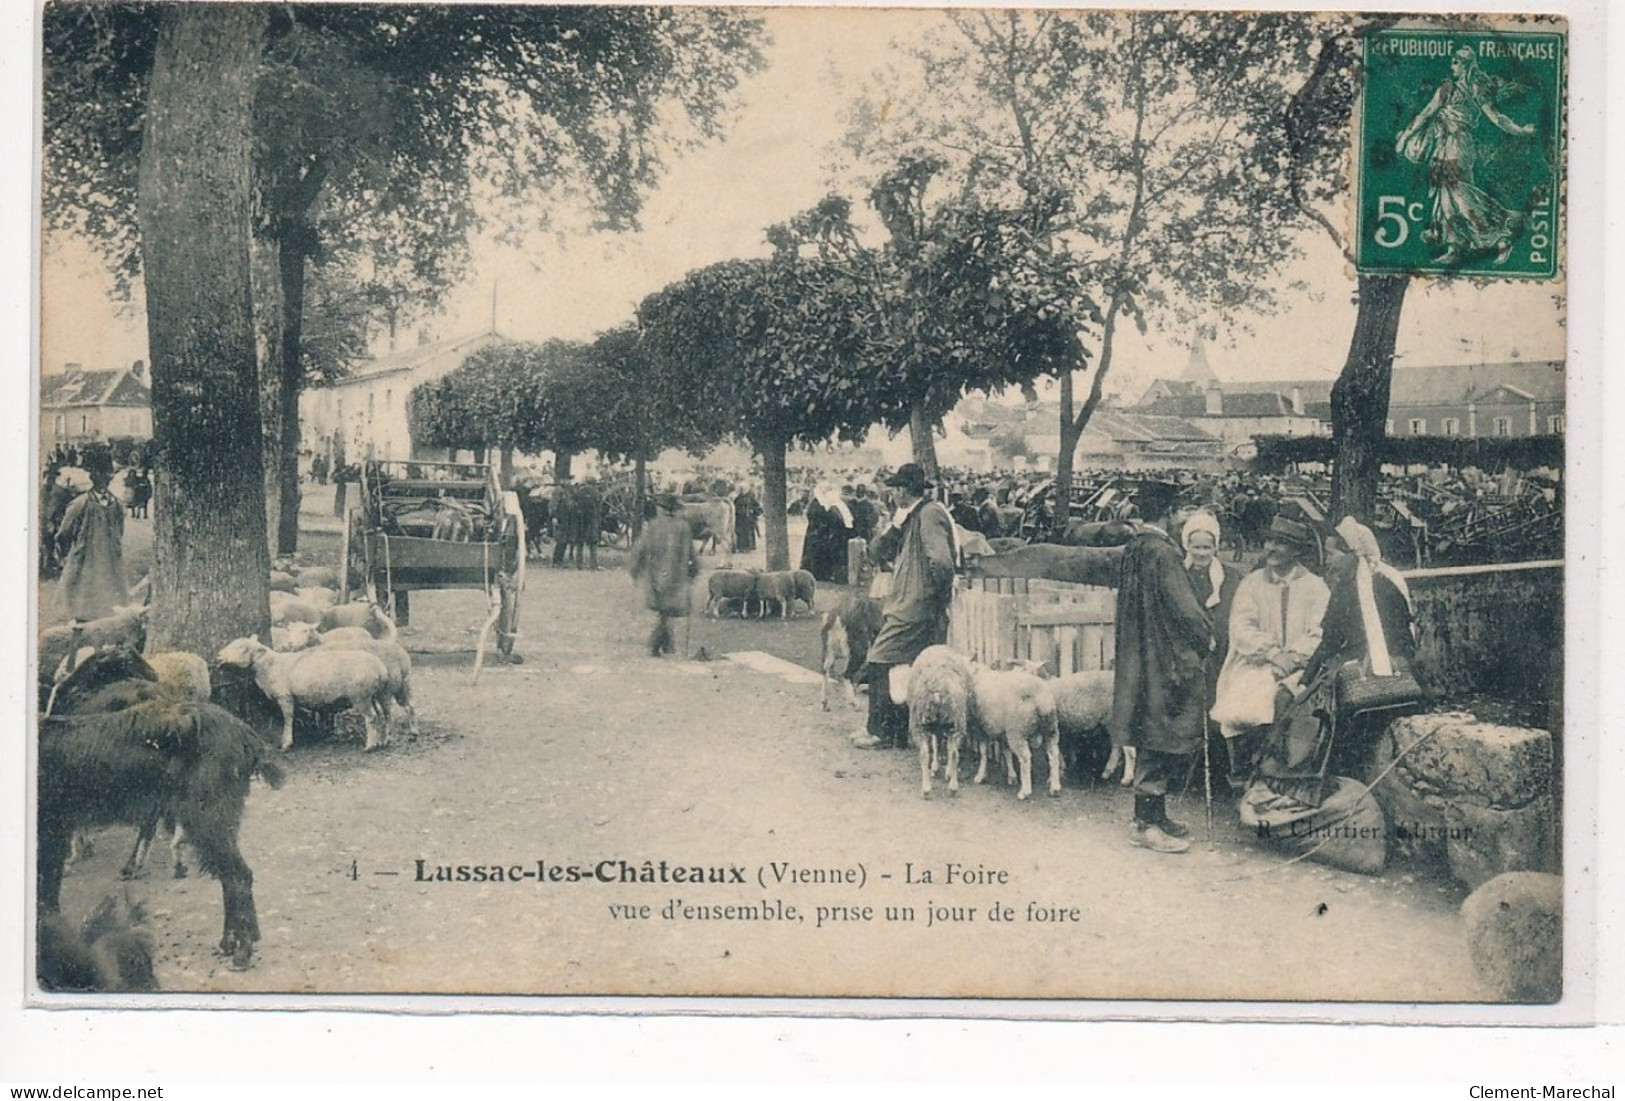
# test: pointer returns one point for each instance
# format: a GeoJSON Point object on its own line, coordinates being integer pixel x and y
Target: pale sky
{"type": "Point", "coordinates": [716, 202]}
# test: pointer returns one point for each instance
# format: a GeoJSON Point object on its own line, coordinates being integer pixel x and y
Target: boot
{"type": "Point", "coordinates": [1169, 825]}
{"type": "Point", "coordinates": [1148, 832]}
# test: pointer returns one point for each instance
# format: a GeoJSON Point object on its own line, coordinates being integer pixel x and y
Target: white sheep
{"type": "Point", "coordinates": [394, 657]}
{"type": "Point", "coordinates": [321, 679]}
{"type": "Point", "coordinates": [294, 636]}
{"type": "Point", "coordinates": [1083, 704]}
{"type": "Point", "coordinates": [358, 614]}
{"type": "Point", "coordinates": [324, 576]}
{"type": "Point", "coordinates": [287, 608]}
{"type": "Point", "coordinates": [317, 596]}
{"type": "Point", "coordinates": [1019, 707]}
{"type": "Point", "coordinates": [126, 626]}
{"type": "Point", "coordinates": [939, 686]}
{"type": "Point", "coordinates": [184, 671]}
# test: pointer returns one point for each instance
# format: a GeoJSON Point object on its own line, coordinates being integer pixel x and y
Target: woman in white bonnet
{"type": "Point", "coordinates": [1215, 583]}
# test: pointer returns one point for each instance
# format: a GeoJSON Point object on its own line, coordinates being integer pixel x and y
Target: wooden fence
{"type": "Point", "coordinates": [1066, 626]}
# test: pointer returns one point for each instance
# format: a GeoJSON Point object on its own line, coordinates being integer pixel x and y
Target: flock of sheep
{"type": "Point", "coordinates": [146, 741]}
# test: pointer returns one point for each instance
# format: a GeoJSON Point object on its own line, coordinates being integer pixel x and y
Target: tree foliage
{"type": "Point", "coordinates": [1137, 146]}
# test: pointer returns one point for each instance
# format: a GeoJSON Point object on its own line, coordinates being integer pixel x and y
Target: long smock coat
{"type": "Point", "coordinates": [91, 543]}
{"type": "Point", "coordinates": [664, 563]}
{"type": "Point", "coordinates": [915, 612]}
{"type": "Point", "coordinates": [1163, 640]}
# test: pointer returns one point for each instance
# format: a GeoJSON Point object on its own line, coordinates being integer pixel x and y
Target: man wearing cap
{"type": "Point", "coordinates": [1159, 690]}
{"type": "Point", "coordinates": [1275, 625]}
{"type": "Point", "coordinates": [663, 561]}
{"type": "Point", "coordinates": [90, 544]}
{"type": "Point", "coordinates": [920, 545]}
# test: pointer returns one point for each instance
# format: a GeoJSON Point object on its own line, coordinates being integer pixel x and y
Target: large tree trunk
{"type": "Point", "coordinates": [210, 556]}
{"type": "Point", "coordinates": [505, 468]}
{"type": "Point", "coordinates": [293, 247]}
{"type": "Point", "coordinates": [266, 288]}
{"type": "Point", "coordinates": [920, 433]}
{"type": "Point", "coordinates": [775, 513]}
{"type": "Point", "coordinates": [1360, 396]}
{"type": "Point", "coordinates": [640, 494]}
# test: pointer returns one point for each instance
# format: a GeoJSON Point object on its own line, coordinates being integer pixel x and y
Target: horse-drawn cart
{"type": "Point", "coordinates": [436, 526]}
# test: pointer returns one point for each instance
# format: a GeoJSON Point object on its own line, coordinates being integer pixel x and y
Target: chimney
{"type": "Point", "coordinates": [1297, 401]}
{"type": "Point", "coordinates": [139, 370]}
{"type": "Point", "coordinates": [71, 369]}
{"type": "Point", "coordinates": [1215, 399]}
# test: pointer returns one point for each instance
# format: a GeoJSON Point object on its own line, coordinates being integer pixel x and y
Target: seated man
{"type": "Point", "coordinates": [1275, 625]}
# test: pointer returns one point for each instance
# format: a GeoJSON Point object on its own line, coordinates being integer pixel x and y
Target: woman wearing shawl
{"type": "Point", "coordinates": [1369, 616]}
{"type": "Point", "coordinates": [829, 526]}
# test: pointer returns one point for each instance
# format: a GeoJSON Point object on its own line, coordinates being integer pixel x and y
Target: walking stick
{"type": "Point", "coordinates": [1207, 760]}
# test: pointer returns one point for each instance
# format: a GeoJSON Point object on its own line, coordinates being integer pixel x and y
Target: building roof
{"type": "Point", "coordinates": [1243, 404]}
{"type": "Point", "coordinates": [1139, 427]}
{"type": "Point", "coordinates": [106, 386]}
{"type": "Point", "coordinates": [1456, 384]}
{"type": "Point", "coordinates": [423, 361]}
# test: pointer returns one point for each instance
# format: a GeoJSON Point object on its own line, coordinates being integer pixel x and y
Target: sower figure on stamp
{"type": "Point", "coordinates": [1160, 689]}
{"type": "Point", "coordinates": [664, 562]}
{"type": "Point", "coordinates": [915, 612]}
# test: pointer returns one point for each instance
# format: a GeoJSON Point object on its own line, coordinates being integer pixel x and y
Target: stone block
{"type": "Point", "coordinates": [1515, 936]}
{"type": "Point", "coordinates": [1474, 795]}
{"type": "Point", "coordinates": [1484, 842]}
{"type": "Point", "coordinates": [1465, 760]}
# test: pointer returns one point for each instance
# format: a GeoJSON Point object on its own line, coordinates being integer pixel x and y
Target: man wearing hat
{"type": "Point", "coordinates": [663, 561]}
{"type": "Point", "coordinates": [1275, 625]}
{"type": "Point", "coordinates": [90, 545]}
{"type": "Point", "coordinates": [1159, 690]}
{"type": "Point", "coordinates": [920, 545]}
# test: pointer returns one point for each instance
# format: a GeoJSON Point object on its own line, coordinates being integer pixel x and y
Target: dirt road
{"type": "Point", "coordinates": [592, 755]}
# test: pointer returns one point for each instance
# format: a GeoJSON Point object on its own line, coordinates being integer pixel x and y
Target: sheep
{"type": "Point", "coordinates": [729, 585]}
{"type": "Point", "coordinates": [358, 614]}
{"type": "Point", "coordinates": [282, 582]}
{"type": "Point", "coordinates": [341, 634]}
{"type": "Point", "coordinates": [317, 596]}
{"type": "Point", "coordinates": [291, 637]}
{"type": "Point", "coordinates": [320, 679]}
{"type": "Point", "coordinates": [287, 608]}
{"type": "Point", "coordinates": [844, 637]}
{"type": "Point", "coordinates": [395, 659]}
{"type": "Point", "coordinates": [806, 586]}
{"type": "Point", "coordinates": [1019, 707]}
{"type": "Point", "coordinates": [1083, 704]}
{"type": "Point", "coordinates": [939, 688]}
{"type": "Point", "coordinates": [124, 747]}
{"type": "Point", "coordinates": [778, 586]}
{"type": "Point", "coordinates": [126, 626]}
{"type": "Point", "coordinates": [324, 576]}
{"type": "Point", "coordinates": [109, 952]}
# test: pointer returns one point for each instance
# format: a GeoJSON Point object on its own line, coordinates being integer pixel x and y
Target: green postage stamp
{"type": "Point", "coordinates": [1460, 158]}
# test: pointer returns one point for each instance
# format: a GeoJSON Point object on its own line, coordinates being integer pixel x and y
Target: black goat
{"type": "Point", "coordinates": [108, 952]}
{"type": "Point", "coordinates": [123, 749]}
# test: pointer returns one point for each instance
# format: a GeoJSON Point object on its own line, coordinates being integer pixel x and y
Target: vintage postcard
{"type": "Point", "coordinates": [899, 510]}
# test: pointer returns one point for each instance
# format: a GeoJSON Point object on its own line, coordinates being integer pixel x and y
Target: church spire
{"type": "Point", "coordinates": [1197, 369]}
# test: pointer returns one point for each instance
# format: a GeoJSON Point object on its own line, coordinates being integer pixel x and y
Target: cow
{"type": "Point", "coordinates": [713, 522]}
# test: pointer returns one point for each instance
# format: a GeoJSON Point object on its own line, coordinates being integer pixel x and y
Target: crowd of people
{"type": "Point", "coordinates": [1257, 669]}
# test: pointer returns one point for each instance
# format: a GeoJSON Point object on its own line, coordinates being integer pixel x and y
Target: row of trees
{"type": "Point", "coordinates": [277, 175]}
{"type": "Point", "coordinates": [1062, 174]}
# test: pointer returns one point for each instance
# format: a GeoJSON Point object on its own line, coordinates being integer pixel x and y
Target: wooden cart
{"type": "Point", "coordinates": [420, 525]}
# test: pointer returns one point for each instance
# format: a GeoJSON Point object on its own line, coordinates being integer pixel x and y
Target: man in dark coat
{"type": "Point", "coordinates": [914, 614]}
{"type": "Point", "coordinates": [663, 562]}
{"type": "Point", "coordinates": [1160, 689]}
